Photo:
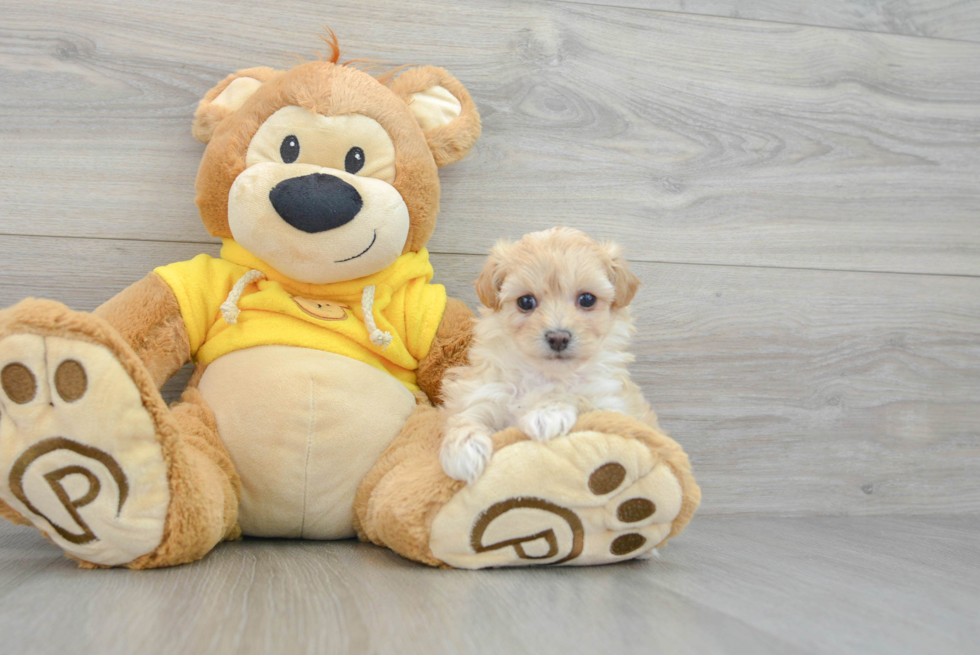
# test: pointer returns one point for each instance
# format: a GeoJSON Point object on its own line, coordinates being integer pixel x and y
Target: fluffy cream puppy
{"type": "Point", "coordinates": [551, 343]}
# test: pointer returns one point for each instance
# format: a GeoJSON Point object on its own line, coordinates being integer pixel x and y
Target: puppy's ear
{"type": "Point", "coordinates": [490, 281]}
{"type": "Point", "coordinates": [624, 282]}
{"type": "Point", "coordinates": [227, 96]}
{"type": "Point", "coordinates": [443, 109]}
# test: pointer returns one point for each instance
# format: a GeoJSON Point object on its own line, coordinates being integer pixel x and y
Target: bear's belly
{"type": "Point", "coordinates": [302, 427]}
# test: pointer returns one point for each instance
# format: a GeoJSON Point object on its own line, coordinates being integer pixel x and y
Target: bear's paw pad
{"type": "Point", "coordinates": [79, 455]}
{"type": "Point", "coordinates": [588, 498]}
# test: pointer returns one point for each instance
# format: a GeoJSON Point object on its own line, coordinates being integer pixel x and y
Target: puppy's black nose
{"type": "Point", "coordinates": [558, 339]}
{"type": "Point", "coordinates": [316, 203]}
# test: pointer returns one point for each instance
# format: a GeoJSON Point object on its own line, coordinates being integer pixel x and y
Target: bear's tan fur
{"type": "Point", "coordinates": [142, 327]}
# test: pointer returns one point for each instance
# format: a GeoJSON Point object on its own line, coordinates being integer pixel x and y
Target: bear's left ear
{"type": "Point", "coordinates": [227, 96]}
{"type": "Point", "coordinates": [444, 110]}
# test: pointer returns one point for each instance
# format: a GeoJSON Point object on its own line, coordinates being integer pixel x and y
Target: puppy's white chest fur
{"type": "Point", "coordinates": [523, 391]}
{"type": "Point", "coordinates": [501, 389]}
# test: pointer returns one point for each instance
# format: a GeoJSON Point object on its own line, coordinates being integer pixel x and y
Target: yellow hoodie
{"type": "Point", "coordinates": [270, 309]}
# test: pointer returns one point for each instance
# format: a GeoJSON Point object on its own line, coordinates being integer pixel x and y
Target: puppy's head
{"type": "Point", "coordinates": [557, 293]}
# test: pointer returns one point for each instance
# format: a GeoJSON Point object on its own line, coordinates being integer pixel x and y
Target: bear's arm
{"type": "Point", "coordinates": [448, 349]}
{"type": "Point", "coordinates": [148, 317]}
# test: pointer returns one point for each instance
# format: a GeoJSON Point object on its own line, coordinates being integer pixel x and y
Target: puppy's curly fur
{"type": "Point", "coordinates": [551, 343]}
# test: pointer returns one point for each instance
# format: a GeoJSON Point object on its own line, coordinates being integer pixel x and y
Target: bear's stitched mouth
{"type": "Point", "coordinates": [341, 261]}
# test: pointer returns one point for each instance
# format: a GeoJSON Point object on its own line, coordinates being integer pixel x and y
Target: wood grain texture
{"type": "Point", "coordinates": [801, 203]}
{"type": "Point", "coordinates": [696, 139]}
{"type": "Point", "coordinates": [939, 19]}
{"type": "Point", "coordinates": [794, 391]}
{"type": "Point", "coordinates": [754, 585]}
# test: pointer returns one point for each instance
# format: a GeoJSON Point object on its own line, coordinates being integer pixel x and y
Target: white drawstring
{"type": "Point", "coordinates": [229, 308]}
{"type": "Point", "coordinates": [378, 338]}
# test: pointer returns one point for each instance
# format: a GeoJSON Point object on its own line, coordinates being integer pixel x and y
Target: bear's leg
{"type": "Point", "coordinates": [612, 490]}
{"type": "Point", "coordinates": [91, 455]}
{"type": "Point", "coordinates": [205, 489]}
{"type": "Point", "coordinates": [400, 495]}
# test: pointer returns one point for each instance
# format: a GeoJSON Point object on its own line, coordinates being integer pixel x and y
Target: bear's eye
{"type": "Point", "coordinates": [527, 303]}
{"type": "Point", "coordinates": [354, 160]}
{"type": "Point", "coordinates": [586, 301]}
{"type": "Point", "coordinates": [289, 150]}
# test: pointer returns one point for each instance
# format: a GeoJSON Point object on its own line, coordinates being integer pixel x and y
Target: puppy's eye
{"type": "Point", "coordinates": [354, 160]}
{"type": "Point", "coordinates": [586, 301]}
{"type": "Point", "coordinates": [527, 303]}
{"type": "Point", "coordinates": [289, 150]}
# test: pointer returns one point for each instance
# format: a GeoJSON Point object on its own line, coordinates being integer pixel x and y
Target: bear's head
{"type": "Point", "coordinates": [325, 172]}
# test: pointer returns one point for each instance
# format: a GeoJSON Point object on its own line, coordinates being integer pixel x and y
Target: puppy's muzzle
{"type": "Point", "coordinates": [558, 339]}
{"type": "Point", "coordinates": [316, 203]}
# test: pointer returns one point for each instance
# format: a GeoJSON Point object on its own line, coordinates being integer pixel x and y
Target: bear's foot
{"type": "Point", "coordinates": [613, 490]}
{"type": "Point", "coordinates": [79, 453]}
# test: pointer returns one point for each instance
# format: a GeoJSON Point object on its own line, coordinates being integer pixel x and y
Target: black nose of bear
{"type": "Point", "coordinates": [316, 203]}
{"type": "Point", "coordinates": [558, 339]}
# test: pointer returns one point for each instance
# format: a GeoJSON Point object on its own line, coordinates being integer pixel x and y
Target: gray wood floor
{"type": "Point", "coordinates": [797, 184]}
{"type": "Point", "coordinates": [734, 584]}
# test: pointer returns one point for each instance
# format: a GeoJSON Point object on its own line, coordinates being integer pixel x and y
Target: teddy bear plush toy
{"type": "Point", "coordinates": [319, 343]}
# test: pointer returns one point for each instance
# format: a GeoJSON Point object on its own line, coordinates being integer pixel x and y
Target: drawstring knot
{"type": "Point", "coordinates": [378, 338]}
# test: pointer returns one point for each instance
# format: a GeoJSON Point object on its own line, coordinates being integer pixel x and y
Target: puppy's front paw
{"type": "Point", "coordinates": [548, 422]}
{"type": "Point", "coordinates": [465, 453]}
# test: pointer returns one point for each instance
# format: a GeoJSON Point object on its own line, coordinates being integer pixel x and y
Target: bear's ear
{"type": "Point", "coordinates": [444, 110]}
{"type": "Point", "coordinates": [227, 96]}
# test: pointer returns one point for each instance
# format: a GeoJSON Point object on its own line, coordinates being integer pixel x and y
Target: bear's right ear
{"type": "Point", "coordinates": [443, 109]}
{"type": "Point", "coordinates": [227, 96]}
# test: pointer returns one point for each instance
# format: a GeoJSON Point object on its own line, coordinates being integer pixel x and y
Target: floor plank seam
{"type": "Point", "coordinates": [635, 260]}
